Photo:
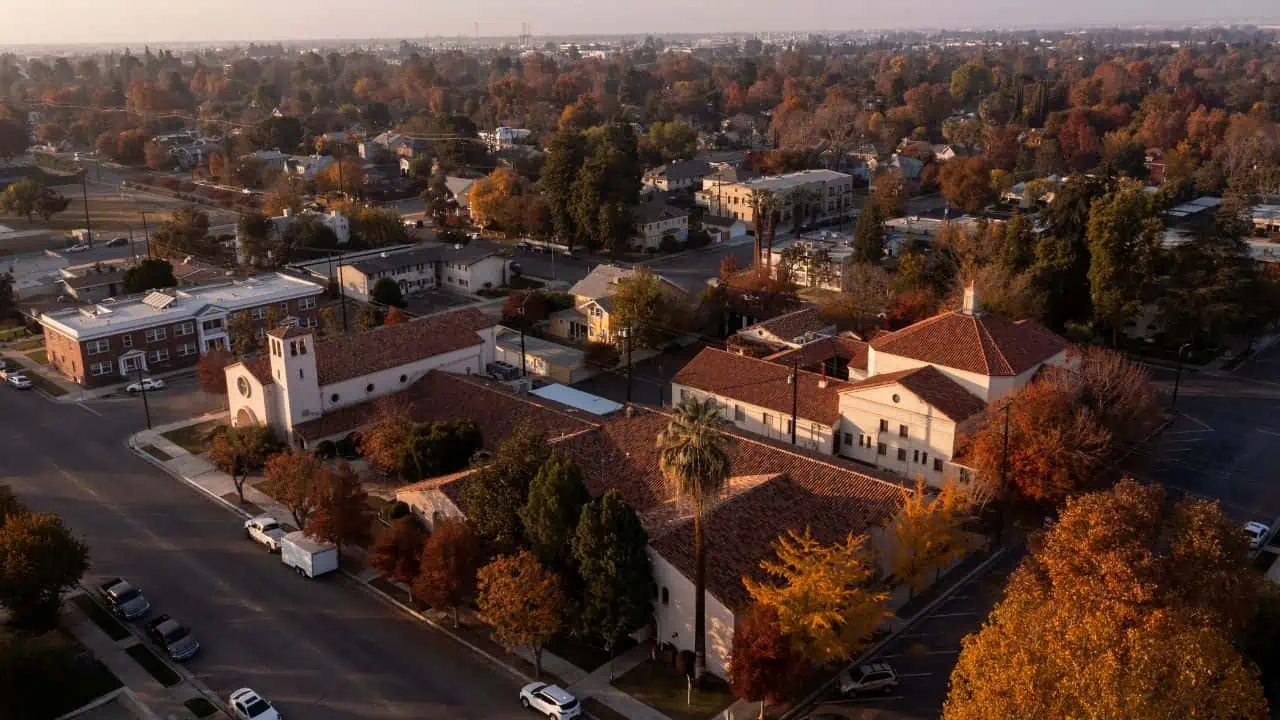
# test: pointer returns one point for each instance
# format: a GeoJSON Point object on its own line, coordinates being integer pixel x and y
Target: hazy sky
{"type": "Point", "coordinates": [159, 21]}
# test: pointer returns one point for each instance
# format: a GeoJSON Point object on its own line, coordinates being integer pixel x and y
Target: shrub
{"type": "Point", "coordinates": [668, 243]}
{"type": "Point", "coordinates": [326, 450]}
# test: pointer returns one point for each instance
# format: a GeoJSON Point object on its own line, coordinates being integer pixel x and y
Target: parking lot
{"type": "Point", "coordinates": [434, 301]}
{"type": "Point", "coordinates": [924, 656]}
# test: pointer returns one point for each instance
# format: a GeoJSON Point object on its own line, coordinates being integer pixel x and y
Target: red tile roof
{"type": "Point", "coordinates": [790, 326]}
{"type": "Point", "coordinates": [762, 383]}
{"type": "Point", "coordinates": [284, 333]}
{"type": "Point", "coordinates": [772, 488]}
{"type": "Point", "coordinates": [388, 346]}
{"type": "Point", "coordinates": [934, 387]}
{"type": "Point", "coordinates": [439, 396]}
{"type": "Point", "coordinates": [852, 351]}
{"type": "Point", "coordinates": [986, 344]}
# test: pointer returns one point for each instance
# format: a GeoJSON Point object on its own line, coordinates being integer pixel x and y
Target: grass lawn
{"type": "Point", "coordinates": [103, 619]}
{"type": "Point", "coordinates": [193, 438]}
{"type": "Point", "coordinates": [600, 711]}
{"type": "Point", "coordinates": [584, 655]}
{"type": "Point", "coordinates": [659, 686]}
{"type": "Point", "coordinates": [200, 707]}
{"type": "Point", "coordinates": [13, 333]}
{"type": "Point", "coordinates": [154, 665]}
{"type": "Point", "coordinates": [39, 356]}
{"type": "Point", "coordinates": [524, 283]}
{"type": "Point", "coordinates": [156, 453]}
{"type": "Point", "coordinates": [29, 344]}
{"type": "Point", "coordinates": [42, 382]}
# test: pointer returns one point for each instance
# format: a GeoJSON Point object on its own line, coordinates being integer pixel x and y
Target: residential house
{"type": "Point", "coordinates": [334, 220]}
{"type": "Point", "coordinates": [1265, 218]}
{"type": "Point", "coordinates": [589, 320]}
{"type": "Point", "coordinates": [460, 189]}
{"type": "Point", "coordinates": [787, 332]}
{"type": "Point", "coordinates": [771, 488]}
{"type": "Point", "coordinates": [93, 285]}
{"type": "Point", "coordinates": [814, 260]}
{"type": "Point", "coordinates": [504, 138]}
{"type": "Point", "coordinates": [656, 220]}
{"type": "Point", "coordinates": [470, 268]}
{"type": "Point", "coordinates": [542, 358]}
{"type": "Point", "coordinates": [722, 228]}
{"type": "Point", "coordinates": [841, 356]}
{"type": "Point", "coordinates": [683, 175]}
{"type": "Point", "coordinates": [413, 270]}
{"type": "Point", "coordinates": [268, 159]}
{"type": "Point", "coordinates": [167, 329]}
{"type": "Point", "coordinates": [308, 390]}
{"type": "Point", "coordinates": [308, 166]}
{"type": "Point", "coordinates": [924, 389]}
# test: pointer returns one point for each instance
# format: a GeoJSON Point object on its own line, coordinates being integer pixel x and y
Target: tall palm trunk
{"type": "Point", "coordinates": [700, 597]}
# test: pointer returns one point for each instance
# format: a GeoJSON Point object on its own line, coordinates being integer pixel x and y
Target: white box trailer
{"type": "Point", "coordinates": [311, 558]}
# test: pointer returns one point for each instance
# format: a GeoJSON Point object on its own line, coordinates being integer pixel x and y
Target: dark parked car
{"type": "Point", "coordinates": [125, 600]}
{"type": "Point", "coordinates": [173, 636]}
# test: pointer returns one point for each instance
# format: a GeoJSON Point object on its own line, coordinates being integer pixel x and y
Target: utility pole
{"type": "Point", "coordinates": [626, 335]}
{"type": "Point", "coordinates": [795, 396]}
{"type": "Point", "coordinates": [146, 406]}
{"type": "Point", "coordinates": [1177, 378]}
{"type": "Point", "coordinates": [146, 234]}
{"type": "Point", "coordinates": [132, 252]}
{"type": "Point", "coordinates": [84, 191]}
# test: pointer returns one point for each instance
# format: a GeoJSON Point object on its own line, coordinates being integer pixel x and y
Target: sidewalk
{"type": "Point", "coordinates": [200, 473]}
{"type": "Point", "coordinates": [154, 700]}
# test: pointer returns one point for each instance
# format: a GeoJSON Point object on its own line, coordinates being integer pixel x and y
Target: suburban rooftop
{"type": "Point", "coordinates": [133, 313]}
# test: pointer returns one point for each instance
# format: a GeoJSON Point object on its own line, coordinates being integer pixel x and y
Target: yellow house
{"type": "Point", "coordinates": [589, 320]}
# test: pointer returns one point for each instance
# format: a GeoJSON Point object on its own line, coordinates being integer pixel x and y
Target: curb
{"type": "Point", "coordinates": [801, 707]}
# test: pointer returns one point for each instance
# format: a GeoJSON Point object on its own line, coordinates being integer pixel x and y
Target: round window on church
{"type": "Point", "coordinates": [368, 388]}
{"type": "Point", "coordinates": [897, 398]}
{"type": "Point", "coordinates": [404, 378]}
{"type": "Point", "coordinates": [334, 398]}
{"type": "Point", "coordinates": [243, 385]}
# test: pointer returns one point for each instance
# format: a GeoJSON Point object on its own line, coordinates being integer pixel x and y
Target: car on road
{"type": "Point", "coordinates": [117, 242]}
{"type": "Point", "coordinates": [145, 384]}
{"type": "Point", "coordinates": [1257, 533]}
{"type": "Point", "coordinates": [18, 380]}
{"type": "Point", "coordinates": [266, 531]}
{"type": "Point", "coordinates": [173, 636]}
{"type": "Point", "coordinates": [249, 705]}
{"type": "Point", "coordinates": [77, 248]}
{"type": "Point", "coordinates": [868, 678]}
{"type": "Point", "coordinates": [550, 700]}
{"type": "Point", "coordinates": [125, 600]}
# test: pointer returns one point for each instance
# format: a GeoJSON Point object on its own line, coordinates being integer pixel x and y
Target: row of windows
{"type": "Point", "coordinates": [918, 456]}
{"type": "Point", "coordinates": [903, 431]}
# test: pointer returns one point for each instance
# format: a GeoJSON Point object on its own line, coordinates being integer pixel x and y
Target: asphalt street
{"type": "Point", "coordinates": [319, 649]}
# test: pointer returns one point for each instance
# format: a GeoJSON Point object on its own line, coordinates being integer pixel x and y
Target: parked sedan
{"type": "Point", "coordinates": [1257, 533]}
{"type": "Point", "coordinates": [21, 382]}
{"type": "Point", "coordinates": [249, 705]}
{"type": "Point", "coordinates": [173, 636]}
{"type": "Point", "coordinates": [145, 384]}
{"type": "Point", "coordinates": [868, 678]}
{"type": "Point", "coordinates": [125, 600]}
{"type": "Point", "coordinates": [550, 700]}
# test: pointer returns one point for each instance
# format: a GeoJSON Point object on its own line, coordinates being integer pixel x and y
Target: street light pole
{"type": "Point", "coordinates": [1177, 377]}
{"type": "Point", "coordinates": [626, 335]}
{"type": "Point", "coordinates": [146, 234]}
{"type": "Point", "coordinates": [146, 406]}
{"type": "Point", "coordinates": [84, 191]}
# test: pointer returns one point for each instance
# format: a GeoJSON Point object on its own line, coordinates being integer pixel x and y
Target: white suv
{"type": "Point", "coordinates": [868, 678]}
{"type": "Point", "coordinates": [249, 705]}
{"type": "Point", "coordinates": [550, 700]}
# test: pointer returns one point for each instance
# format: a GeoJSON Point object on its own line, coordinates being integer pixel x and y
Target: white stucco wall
{"type": "Point", "coordinates": [810, 434]}
{"type": "Point", "coordinates": [988, 388]}
{"type": "Point", "coordinates": [674, 618]}
{"type": "Point", "coordinates": [353, 390]}
{"type": "Point", "coordinates": [928, 432]}
{"type": "Point", "coordinates": [472, 278]}
{"type": "Point", "coordinates": [428, 505]}
{"type": "Point", "coordinates": [263, 402]}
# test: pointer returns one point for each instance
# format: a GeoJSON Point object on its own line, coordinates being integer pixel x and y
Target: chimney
{"type": "Point", "coordinates": [822, 381]}
{"type": "Point", "coordinates": [970, 306]}
{"type": "Point", "coordinates": [288, 212]}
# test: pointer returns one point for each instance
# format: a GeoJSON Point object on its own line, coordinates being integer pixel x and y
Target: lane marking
{"type": "Point", "coordinates": [930, 652]}
{"type": "Point", "coordinates": [907, 675]}
{"type": "Point", "coordinates": [88, 409]}
{"type": "Point", "coordinates": [1202, 424]}
{"type": "Point", "coordinates": [952, 614]}
{"type": "Point", "coordinates": [1265, 431]}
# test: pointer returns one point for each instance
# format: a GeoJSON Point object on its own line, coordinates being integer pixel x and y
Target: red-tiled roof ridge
{"type": "Point", "coordinates": [933, 386]}
{"type": "Point", "coordinates": [985, 343]}
{"type": "Point", "coordinates": [747, 379]}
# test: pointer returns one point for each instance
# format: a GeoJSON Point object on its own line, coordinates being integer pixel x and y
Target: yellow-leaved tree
{"type": "Point", "coordinates": [928, 534]}
{"type": "Point", "coordinates": [1126, 608]}
{"type": "Point", "coordinates": [825, 595]}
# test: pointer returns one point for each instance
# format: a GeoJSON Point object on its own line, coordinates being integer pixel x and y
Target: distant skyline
{"type": "Point", "coordinates": [164, 21]}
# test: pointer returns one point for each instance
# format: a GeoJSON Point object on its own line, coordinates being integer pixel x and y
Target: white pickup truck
{"type": "Point", "coordinates": [265, 531]}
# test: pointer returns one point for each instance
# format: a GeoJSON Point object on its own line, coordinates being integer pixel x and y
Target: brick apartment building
{"type": "Point", "coordinates": [107, 342]}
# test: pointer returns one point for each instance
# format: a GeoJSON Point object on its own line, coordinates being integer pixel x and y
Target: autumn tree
{"type": "Point", "coordinates": [149, 274]}
{"type": "Point", "coordinates": [397, 551]}
{"type": "Point", "coordinates": [283, 195]}
{"type": "Point", "coordinates": [387, 292]}
{"type": "Point", "coordinates": [1125, 608]}
{"type": "Point", "coordinates": [869, 236]}
{"type": "Point", "coordinates": [868, 295]}
{"type": "Point", "coordinates": [645, 305]}
{"type": "Point", "coordinates": [966, 183]}
{"type": "Point", "coordinates": [1124, 249]}
{"type": "Point", "coordinates": [341, 515]}
{"type": "Point", "coordinates": [823, 594]}
{"type": "Point", "coordinates": [550, 515]}
{"type": "Point", "coordinates": [291, 479]}
{"type": "Point", "coordinates": [609, 549]}
{"type": "Point", "coordinates": [890, 193]}
{"type": "Point", "coordinates": [447, 569]}
{"type": "Point", "coordinates": [394, 316]}
{"type": "Point", "coordinates": [927, 534]}
{"type": "Point", "coordinates": [493, 500]}
{"type": "Point", "coordinates": [39, 560]}
{"type": "Point", "coordinates": [522, 601]}
{"type": "Point", "coordinates": [241, 451]}
{"type": "Point", "coordinates": [765, 667]}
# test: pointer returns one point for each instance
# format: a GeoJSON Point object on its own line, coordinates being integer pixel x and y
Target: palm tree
{"type": "Point", "coordinates": [695, 462]}
{"type": "Point", "coordinates": [764, 214]}
{"type": "Point", "coordinates": [800, 200]}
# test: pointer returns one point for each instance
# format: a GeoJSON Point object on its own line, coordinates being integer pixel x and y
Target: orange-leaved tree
{"type": "Point", "coordinates": [522, 601]}
{"type": "Point", "coordinates": [765, 667]}
{"type": "Point", "coordinates": [241, 451]}
{"type": "Point", "coordinates": [397, 551]}
{"type": "Point", "coordinates": [825, 595]}
{"type": "Point", "coordinates": [342, 513]}
{"type": "Point", "coordinates": [447, 570]}
{"type": "Point", "coordinates": [928, 533]}
{"type": "Point", "coordinates": [292, 478]}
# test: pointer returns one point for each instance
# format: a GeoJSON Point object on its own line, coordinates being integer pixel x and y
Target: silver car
{"type": "Point", "coordinates": [125, 600]}
{"type": "Point", "coordinates": [173, 636]}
